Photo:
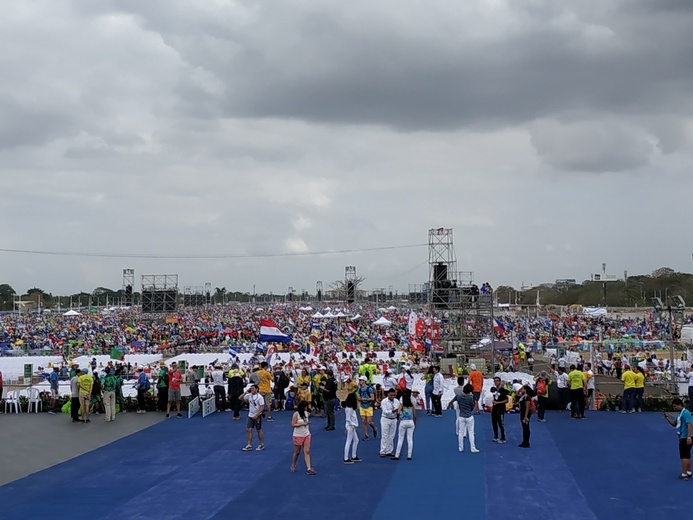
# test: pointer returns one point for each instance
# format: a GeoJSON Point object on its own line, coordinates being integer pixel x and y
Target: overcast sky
{"type": "Point", "coordinates": [550, 135]}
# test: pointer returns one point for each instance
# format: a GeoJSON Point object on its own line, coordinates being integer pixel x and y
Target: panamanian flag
{"type": "Point", "coordinates": [270, 333]}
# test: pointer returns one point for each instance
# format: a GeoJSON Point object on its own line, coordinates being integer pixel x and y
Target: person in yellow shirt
{"type": "Point", "coordinates": [628, 378]}
{"type": "Point", "coordinates": [265, 388]}
{"type": "Point", "coordinates": [85, 383]}
{"type": "Point", "coordinates": [638, 388]}
{"type": "Point", "coordinates": [576, 382]}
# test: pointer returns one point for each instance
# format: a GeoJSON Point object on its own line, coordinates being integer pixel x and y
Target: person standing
{"type": "Point", "coordinates": [162, 387]}
{"type": "Point", "coordinates": [684, 430]}
{"type": "Point", "coordinates": [638, 388]}
{"type": "Point", "coordinates": [301, 437]}
{"type": "Point", "coordinates": [265, 386]}
{"type": "Point", "coordinates": [110, 383]}
{"type": "Point", "coordinates": [578, 389]}
{"type": "Point", "coordinates": [54, 379]}
{"type": "Point", "coordinates": [366, 399]}
{"type": "Point", "coordinates": [96, 397]}
{"type": "Point", "coordinates": [256, 405]}
{"type": "Point", "coordinates": [476, 379]}
{"type": "Point", "coordinates": [329, 395]}
{"type": "Point", "coordinates": [407, 424]}
{"type": "Point", "coordinates": [563, 389]}
{"type": "Point", "coordinates": [351, 405]}
{"type": "Point", "coordinates": [628, 379]}
{"type": "Point", "coordinates": [437, 394]}
{"type": "Point", "coordinates": [193, 382]}
{"type": "Point", "coordinates": [174, 380]}
{"type": "Point", "coordinates": [74, 397]}
{"type": "Point", "coordinates": [543, 384]}
{"type": "Point", "coordinates": [219, 390]}
{"type": "Point", "coordinates": [428, 389]}
{"type": "Point", "coordinates": [142, 386]}
{"type": "Point", "coordinates": [85, 385]}
{"type": "Point", "coordinates": [236, 384]}
{"type": "Point", "coordinates": [589, 382]}
{"type": "Point", "coordinates": [525, 395]}
{"type": "Point", "coordinates": [388, 423]}
{"type": "Point", "coordinates": [498, 407]}
{"type": "Point", "coordinates": [464, 405]}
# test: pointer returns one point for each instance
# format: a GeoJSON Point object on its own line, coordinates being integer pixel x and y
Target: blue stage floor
{"type": "Point", "coordinates": [609, 466]}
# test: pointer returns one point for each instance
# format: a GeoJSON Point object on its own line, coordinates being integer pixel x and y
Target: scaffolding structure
{"type": "Point", "coordinates": [350, 282]}
{"type": "Point", "coordinates": [465, 315]}
{"type": "Point", "coordinates": [194, 296]}
{"type": "Point", "coordinates": [159, 293]}
{"type": "Point", "coordinates": [318, 290]}
{"type": "Point", "coordinates": [128, 285]}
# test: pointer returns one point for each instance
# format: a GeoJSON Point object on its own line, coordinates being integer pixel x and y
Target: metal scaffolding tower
{"type": "Point", "coordinates": [465, 315]}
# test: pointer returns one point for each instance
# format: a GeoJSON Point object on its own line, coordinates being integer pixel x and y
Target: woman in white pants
{"type": "Point", "coordinates": [351, 406]}
{"type": "Point", "coordinates": [464, 404]}
{"type": "Point", "coordinates": [407, 425]}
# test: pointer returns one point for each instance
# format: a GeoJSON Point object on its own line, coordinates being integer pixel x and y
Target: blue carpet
{"type": "Point", "coordinates": [609, 466]}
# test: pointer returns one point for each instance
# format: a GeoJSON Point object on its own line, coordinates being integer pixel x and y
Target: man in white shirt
{"type": "Point", "coordinates": [388, 423]}
{"type": "Point", "coordinates": [563, 389]}
{"type": "Point", "coordinates": [436, 396]}
{"type": "Point", "coordinates": [256, 405]}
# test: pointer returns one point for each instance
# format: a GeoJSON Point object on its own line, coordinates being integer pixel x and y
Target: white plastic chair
{"type": "Point", "coordinates": [35, 400]}
{"type": "Point", "coordinates": [12, 400]}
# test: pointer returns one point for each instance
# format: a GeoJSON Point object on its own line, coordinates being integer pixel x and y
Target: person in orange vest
{"type": "Point", "coordinates": [476, 379]}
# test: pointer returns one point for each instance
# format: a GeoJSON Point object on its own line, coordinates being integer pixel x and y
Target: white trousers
{"type": "Point", "coordinates": [465, 427]}
{"type": "Point", "coordinates": [388, 429]}
{"type": "Point", "coordinates": [352, 441]}
{"type": "Point", "coordinates": [407, 428]}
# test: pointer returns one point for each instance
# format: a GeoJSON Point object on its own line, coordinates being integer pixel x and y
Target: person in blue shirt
{"type": "Point", "coordinates": [54, 378]}
{"type": "Point", "coordinates": [684, 429]}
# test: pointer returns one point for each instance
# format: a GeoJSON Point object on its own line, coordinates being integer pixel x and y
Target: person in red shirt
{"type": "Point", "coordinates": [174, 380]}
{"type": "Point", "coordinates": [476, 379]}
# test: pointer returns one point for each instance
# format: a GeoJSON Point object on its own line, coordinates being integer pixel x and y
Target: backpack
{"type": "Point", "coordinates": [145, 384]}
{"type": "Point", "coordinates": [283, 381]}
{"type": "Point", "coordinates": [402, 384]}
{"type": "Point", "coordinates": [541, 387]}
{"type": "Point", "coordinates": [532, 406]}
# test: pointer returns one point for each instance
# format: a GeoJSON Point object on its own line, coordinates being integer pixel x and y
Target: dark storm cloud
{"type": "Point", "coordinates": [408, 69]}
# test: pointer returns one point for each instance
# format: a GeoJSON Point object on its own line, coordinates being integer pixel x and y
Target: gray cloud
{"type": "Point", "coordinates": [256, 128]}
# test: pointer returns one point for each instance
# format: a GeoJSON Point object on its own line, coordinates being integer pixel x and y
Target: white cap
{"type": "Point", "coordinates": [472, 366]}
{"type": "Point", "coordinates": [363, 378]}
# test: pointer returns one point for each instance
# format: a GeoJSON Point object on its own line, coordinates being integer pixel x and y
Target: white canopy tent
{"type": "Point", "coordinates": [382, 322]}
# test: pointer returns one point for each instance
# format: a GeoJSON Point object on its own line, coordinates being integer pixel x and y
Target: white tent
{"type": "Point", "coordinates": [340, 315]}
{"type": "Point", "coordinates": [71, 312]}
{"type": "Point", "coordinates": [392, 308]}
{"type": "Point", "coordinates": [382, 322]}
{"type": "Point", "coordinates": [329, 315]}
{"type": "Point", "coordinates": [356, 318]}
{"type": "Point", "coordinates": [308, 308]}
{"type": "Point", "coordinates": [317, 315]}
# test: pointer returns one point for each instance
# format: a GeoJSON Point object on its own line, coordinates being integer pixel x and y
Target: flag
{"type": "Point", "coordinates": [416, 345]}
{"type": "Point", "coordinates": [270, 333]}
{"type": "Point", "coordinates": [117, 353]}
{"type": "Point", "coordinates": [498, 326]}
{"type": "Point", "coordinates": [351, 328]}
{"type": "Point", "coordinates": [413, 318]}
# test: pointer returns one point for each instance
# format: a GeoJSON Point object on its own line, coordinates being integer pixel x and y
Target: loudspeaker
{"type": "Point", "coordinates": [128, 295]}
{"type": "Point", "coordinates": [351, 292]}
{"type": "Point", "coordinates": [440, 272]}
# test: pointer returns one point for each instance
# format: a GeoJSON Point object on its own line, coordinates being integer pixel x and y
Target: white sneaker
{"type": "Point", "coordinates": [460, 450]}
{"type": "Point", "coordinates": [474, 450]}
{"type": "Point", "coordinates": [260, 447]}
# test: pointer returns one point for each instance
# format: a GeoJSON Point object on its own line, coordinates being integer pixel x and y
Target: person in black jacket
{"type": "Point", "coordinates": [329, 394]}
{"type": "Point", "coordinates": [236, 384]}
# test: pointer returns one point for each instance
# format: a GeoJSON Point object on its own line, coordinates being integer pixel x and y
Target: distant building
{"type": "Point", "coordinates": [564, 283]}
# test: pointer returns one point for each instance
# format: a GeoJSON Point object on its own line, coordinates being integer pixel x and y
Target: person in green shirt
{"type": "Point", "coordinates": [576, 382]}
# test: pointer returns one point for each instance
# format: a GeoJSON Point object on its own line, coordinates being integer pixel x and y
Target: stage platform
{"type": "Point", "coordinates": [605, 467]}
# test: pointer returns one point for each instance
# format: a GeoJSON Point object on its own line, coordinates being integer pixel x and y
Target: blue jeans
{"type": "Point", "coordinates": [627, 399]}
{"type": "Point", "coordinates": [428, 391]}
